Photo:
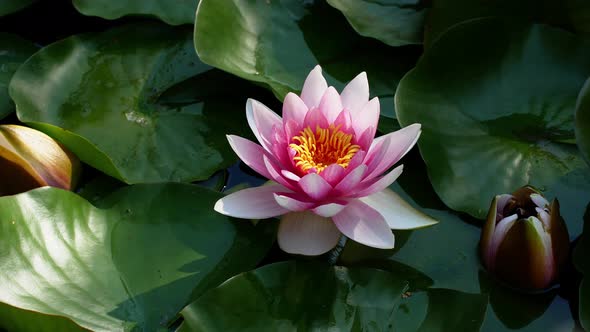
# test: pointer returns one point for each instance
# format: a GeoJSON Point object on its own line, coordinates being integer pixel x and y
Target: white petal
{"type": "Point", "coordinates": [356, 94]}
{"type": "Point", "coordinates": [365, 225]}
{"type": "Point", "coordinates": [306, 233]}
{"type": "Point", "coordinates": [252, 203]}
{"type": "Point", "coordinates": [398, 213]}
{"type": "Point", "coordinates": [314, 87]}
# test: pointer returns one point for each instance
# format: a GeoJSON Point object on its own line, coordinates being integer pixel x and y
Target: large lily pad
{"type": "Point", "coordinates": [495, 115]}
{"type": "Point", "coordinates": [394, 22]}
{"type": "Point", "coordinates": [445, 256]}
{"type": "Point", "coordinates": [292, 296]}
{"type": "Point", "coordinates": [100, 95]}
{"type": "Point", "coordinates": [131, 264]}
{"type": "Point", "coordinates": [13, 51]}
{"type": "Point", "coordinates": [277, 43]}
{"type": "Point", "coordinates": [11, 6]}
{"type": "Point", "coordinates": [179, 12]}
{"type": "Point", "coordinates": [569, 14]}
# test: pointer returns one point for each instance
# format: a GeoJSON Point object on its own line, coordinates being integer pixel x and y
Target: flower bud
{"type": "Point", "coordinates": [31, 159]}
{"type": "Point", "coordinates": [524, 241]}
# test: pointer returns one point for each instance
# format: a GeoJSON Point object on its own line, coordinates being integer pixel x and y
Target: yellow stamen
{"type": "Point", "coordinates": [322, 148]}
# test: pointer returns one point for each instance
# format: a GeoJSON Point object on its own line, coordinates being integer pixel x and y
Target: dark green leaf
{"type": "Point", "coordinates": [11, 6]}
{"type": "Point", "coordinates": [99, 94]}
{"type": "Point", "coordinates": [394, 22]}
{"type": "Point", "coordinates": [291, 296]}
{"type": "Point", "coordinates": [277, 43]}
{"type": "Point", "coordinates": [13, 51]}
{"type": "Point", "coordinates": [131, 264]}
{"type": "Point", "coordinates": [178, 12]}
{"type": "Point", "coordinates": [495, 115]}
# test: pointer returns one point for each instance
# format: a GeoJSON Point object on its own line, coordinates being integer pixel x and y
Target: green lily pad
{"type": "Point", "coordinates": [13, 51]}
{"type": "Point", "coordinates": [497, 120]}
{"type": "Point", "coordinates": [568, 14]}
{"type": "Point", "coordinates": [179, 12]}
{"type": "Point", "coordinates": [581, 254]}
{"type": "Point", "coordinates": [131, 264]}
{"type": "Point", "coordinates": [394, 22]}
{"type": "Point", "coordinates": [14, 319]}
{"type": "Point", "coordinates": [11, 6]}
{"type": "Point", "coordinates": [298, 296]}
{"type": "Point", "coordinates": [445, 256]}
{"type": "Point", "coordinates": [100, 95]}
{"type": "Point", "coordinates": [277, 43]}
{"type": "Point", "coordinates": [583, 121]}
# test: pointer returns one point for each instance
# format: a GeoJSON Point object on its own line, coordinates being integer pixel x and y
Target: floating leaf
{"type": "Point", "coordinates": [99, 94]}
{"type": "Point", "coordinates": [394, 22]}
{"type": "Point", "coordinates": [277, 43]}
{"type": "Point", "coordinates": [13, 51]}
{"type": "Point", "coordinates": [299, 296]}
{"type": "Point", "coordinates": [11, 6]}
{"type": "Point", "coordinates": [499, 120]}
{"type": "Point", "coordinates": [179, 12]}
{"type": "Point", "coordinates": [131, 264]}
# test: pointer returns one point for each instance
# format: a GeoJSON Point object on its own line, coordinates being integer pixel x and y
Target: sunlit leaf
{"type": "Point", "coordinates": [131, 264]}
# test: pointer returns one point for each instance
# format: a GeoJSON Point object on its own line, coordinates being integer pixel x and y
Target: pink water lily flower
{"type": "Point", "coordinates": [327, 169]}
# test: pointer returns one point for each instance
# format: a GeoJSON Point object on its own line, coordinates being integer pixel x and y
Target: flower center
{"type": "Point", "coordinates": [322, 148]}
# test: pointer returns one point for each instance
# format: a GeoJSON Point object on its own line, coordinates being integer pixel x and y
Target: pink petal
{"type": "Point", "coordinates": [365, 225]}
{"type": "Point", "coordinates": [315, 118]}
{"type": "Point", "coordinates": [333, 174]}
{"type": "Point", "coordinates": [250, 153]}
{"type": "Point", "coordinates": [314, 87]}
{"type": "Point", "coordinates": [290, 175]}
{"type": "Point", "coordinates": [397, 213]}
{"type": "Point", "coordinates": [365, 139]}
{"type": "Point", "coordinates": [356, 94]}
{"type": "Point", "coordinates": [274, 171]}
{"type": "Point", "coordinates": [500, 232]}
{"type": "Point", "coordinates": [381, 183]}
{"type": "Point", "coordinates": [305, 233]}
{"type": "Point", "coordinates": [262, 121]}
{"type": "Point", "coordinates": [292, 202]}
{"type": "Point", "coordinates": [294, 109]}
{"type": "Point", "coordinates": [395, 146]}
{"type": "Point", "coordinates": [329, 210]}
{"type": "Point", "coordinates": [351, 180]}
{"type": "Point", "coordinates": [330, 104]}
{"type": "Point", "coordinates": [358, 159]}
{"type": "Point", "coordinates": [367, 118]}
{"type": "Point", "coordinates": [315, 186]}
{"type": "Point", "coordinates": [344, 121]}
{"type": "Point", "coordinates": [252, 203]}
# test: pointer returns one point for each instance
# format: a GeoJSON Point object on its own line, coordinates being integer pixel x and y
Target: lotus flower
{"type": "Point", "coordinates": [326, 169]}
{"type": "Point", "coordinates": [524, 241]}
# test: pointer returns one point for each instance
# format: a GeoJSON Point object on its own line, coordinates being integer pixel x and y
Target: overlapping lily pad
{"type": "Point", "coordinates": [101, 95]}
{"type": "Point", "coordinates": [131, 264]}
{"type": "Point", "coordinates": [277, 43]}
{"type": "Point", "coordinates": [11, 6]}
{"type": "Point", "coordinates": [394, 22]}
{"type": "Point", "coordinates": [179, 12]}
{"type": "Point", "coordinates": [298, 296]}
{"type": "Point", "coordinates": [13, 51]}
{"type": "Point", "coordinates": [569, 14]}
{"type": "Point", "coordinates": [498, 114]}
